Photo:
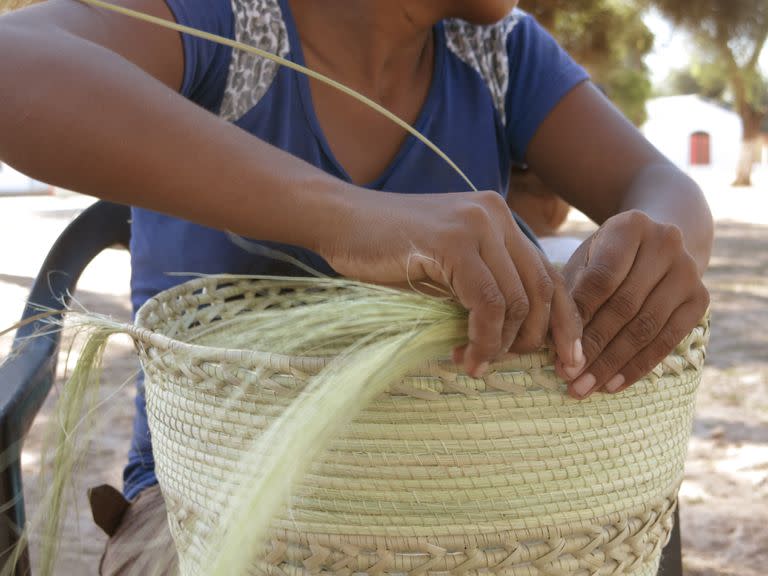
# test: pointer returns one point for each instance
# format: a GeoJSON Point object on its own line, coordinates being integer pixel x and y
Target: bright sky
{"type": "Point", "coordinates": [672, 48]}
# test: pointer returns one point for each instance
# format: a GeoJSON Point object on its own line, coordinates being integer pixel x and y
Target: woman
{"type": "Point", "coordinates": [201, 139]}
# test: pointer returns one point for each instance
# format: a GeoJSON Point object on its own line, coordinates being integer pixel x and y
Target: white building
{"type": "Point", "coordinates": [14, 182]}
{"type": "Point", "coordinates": [694, 133]}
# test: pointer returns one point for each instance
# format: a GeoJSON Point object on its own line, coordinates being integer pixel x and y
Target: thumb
{"type": "Point", "coordinates": [578, 262]}
{"type": "Point", "coordinates": [565, 325]}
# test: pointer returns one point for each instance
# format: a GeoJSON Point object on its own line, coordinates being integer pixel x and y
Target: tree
{"type": "Point", "coordinates": [609, 38]}
{"type": "Point", "coordinates": [702, 76]}
{"type": "Point", "coordinates": [732, 35]}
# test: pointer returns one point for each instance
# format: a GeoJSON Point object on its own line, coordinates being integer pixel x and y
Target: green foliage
{"type": "Point", "coordinates": [706, 77]}
{"type": "Point", "coordinates": [679, 81]}
{"type": "Point", "coordinates": [731, 34]}
{"type": "Point", "coordinates": [757, 90]}
{"type": "Point", "coordinates": [610, 39]}
{"type": "Point", "coordinates": [736, 28]}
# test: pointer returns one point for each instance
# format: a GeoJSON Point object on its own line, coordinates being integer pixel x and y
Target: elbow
{"type": "Point", "coordinates": [698, 202]}
{"type": "Point", "coordinates": [670, 195]}
{"type": "Point", "coordinates": [701, 241]}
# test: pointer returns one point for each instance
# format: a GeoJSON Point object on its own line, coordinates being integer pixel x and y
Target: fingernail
{"type": "Point", "coordinates": [573, 371]}
{"type": "Point", "coordinates": [584, 384]}
{"type": "Point", "coordinates": [577, 353]}
{"type": "Point", "coordinates": [615, 383]}
{"type": "Point", "coordinates": [480, 370]}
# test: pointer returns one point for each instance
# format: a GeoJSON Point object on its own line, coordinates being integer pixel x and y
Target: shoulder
{"type": "Point", "coordinates": [259, 23]}
{"type": "Point", "coordinates": [485, 49]}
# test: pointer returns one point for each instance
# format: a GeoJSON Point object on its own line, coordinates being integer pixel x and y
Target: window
{"type": "Point", "coordinates": [700, 149]}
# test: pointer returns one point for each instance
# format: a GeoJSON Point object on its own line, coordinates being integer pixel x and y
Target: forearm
{"type": "Point", "coordinates": [80, 116]}
{"type": "Point", "coordinates": [669, 196]}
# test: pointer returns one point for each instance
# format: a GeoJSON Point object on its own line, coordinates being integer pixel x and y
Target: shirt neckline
{"type": "Point", "coordinates": [422, 120]}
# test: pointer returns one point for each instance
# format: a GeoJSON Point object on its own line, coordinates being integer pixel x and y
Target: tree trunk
{"type": "Point", "coordinates": [749, 149]}
{"type": "Point", "coordinates": [751, 119]}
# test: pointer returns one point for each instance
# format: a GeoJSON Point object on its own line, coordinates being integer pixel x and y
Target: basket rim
{"type": "Point", "coordinates": [290, 363]}
{"type": "Point", "coordinates": [259, 357]}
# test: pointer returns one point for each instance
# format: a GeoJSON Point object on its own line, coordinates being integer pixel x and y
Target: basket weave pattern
{"type": "Point", "coordinates": [444, 473]}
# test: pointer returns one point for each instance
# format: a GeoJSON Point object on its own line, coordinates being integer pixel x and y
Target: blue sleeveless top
{"type": "Point", "coordinates": [491, 88]}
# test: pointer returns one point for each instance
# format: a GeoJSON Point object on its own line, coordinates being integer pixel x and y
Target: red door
{"type": "Point", "coordinates": [700, 149]}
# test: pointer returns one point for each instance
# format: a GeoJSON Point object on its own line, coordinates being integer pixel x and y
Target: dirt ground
{"type": "Point", "coordinates": [725, 495]}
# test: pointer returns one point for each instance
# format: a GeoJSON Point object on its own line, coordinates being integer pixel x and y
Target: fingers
{"type": "Point", "coordinates": [620, 309]}
{"type": "Point", "coordinates": [565, 327]}
{"type": "Point", "coordinates": [539, 288]}
{"type": "Point", "coordinates": [504, 283]}
{"type": "Point", "coordinates": [553, 310]}
{"type": "Point", "coordinates": [682, 321]}
{"type": "Point", "coordinates": [520, 303]}
{"type": "Point", "coordinates": [499, 305]}
{"type": "Point", "coordinates": [633, 285]}
{"type": "Point", "coordinates": [635, 277]}
{"type": "Point", "coordinates": [478, 291]}
{"type": "Point", "coordinates": [604, 269]}
{"type": "Point", "coordinates": [526, 288]}
{"type": "Point", "coordinates": [620, 344]}
{"type": "Point", "coordinates": [660, 324]}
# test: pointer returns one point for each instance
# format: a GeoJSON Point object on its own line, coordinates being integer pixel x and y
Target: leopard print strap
{"type": "Point", "coordinates": [484, 48]}
{"type": "Point", "coordinates": [259, 23]}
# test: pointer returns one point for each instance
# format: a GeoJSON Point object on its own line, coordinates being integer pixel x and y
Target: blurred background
{"type": "Point", "coordinates": [693, 75]}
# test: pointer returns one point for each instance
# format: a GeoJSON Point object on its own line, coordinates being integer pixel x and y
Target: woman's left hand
{"type": "Point", "coordinates": [639, 294]}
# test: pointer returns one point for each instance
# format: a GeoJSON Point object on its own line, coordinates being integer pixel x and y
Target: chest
{"type": "Point", "coordinates": [346, 139]}
{"type": "Point", "coordinates": [363, 141]}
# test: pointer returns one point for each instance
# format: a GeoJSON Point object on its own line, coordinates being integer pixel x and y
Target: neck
{"type": "Point", "coordinates": [374, 43]}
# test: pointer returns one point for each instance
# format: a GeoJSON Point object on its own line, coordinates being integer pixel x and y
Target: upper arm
{"type": "Point", "coordinates": [540, 74]}
{"type": "Point", "coordinates": [568, 133]}
{"type": "Point", "coordinates": [156, 50]}
{"type": "Point", "coordinates": [184, 63]}
{"type": "Point", "coordinates": [588, 153]}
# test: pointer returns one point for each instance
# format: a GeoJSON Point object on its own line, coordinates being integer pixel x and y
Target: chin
{"type": "Point", "coordinates": [484, 11]}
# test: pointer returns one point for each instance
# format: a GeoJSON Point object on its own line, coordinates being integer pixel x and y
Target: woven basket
{"type": "Point", "coordinates": [444, 473]}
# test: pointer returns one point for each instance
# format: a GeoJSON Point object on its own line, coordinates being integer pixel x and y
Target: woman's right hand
{"type": "Point", "coordinates": [470, 243]}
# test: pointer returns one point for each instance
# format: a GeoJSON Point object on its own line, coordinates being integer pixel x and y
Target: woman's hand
{"type": "Point", "coordinates": [471, 244]}
{"type": "Point", "coordinates": [639, 293]}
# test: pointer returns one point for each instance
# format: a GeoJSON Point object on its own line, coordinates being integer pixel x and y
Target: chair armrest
{"type": "Point", "coordinates": [25, 378]}
{"type": "Point", "coordinates": [27, 374]}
